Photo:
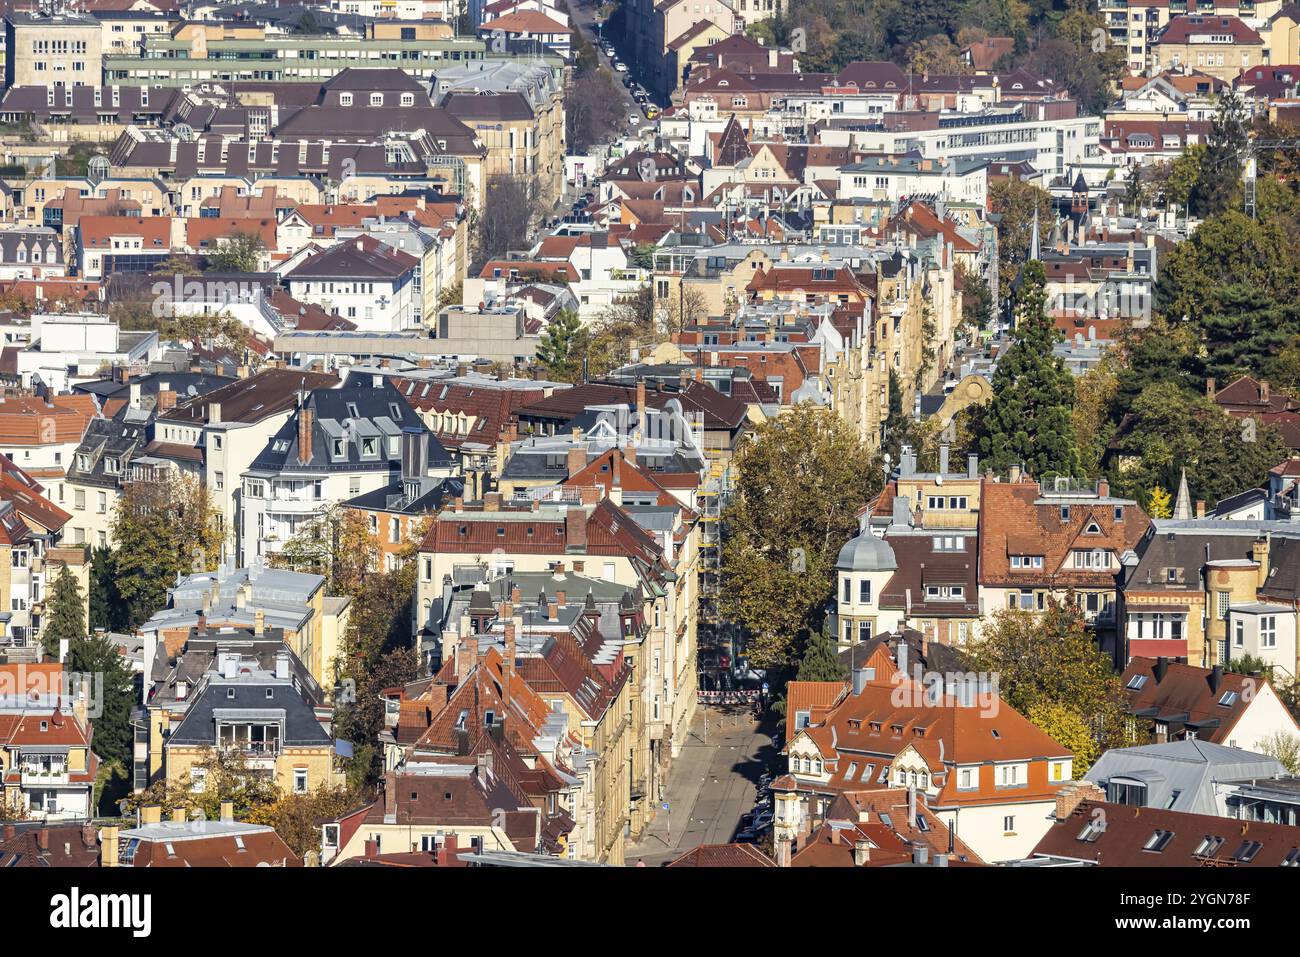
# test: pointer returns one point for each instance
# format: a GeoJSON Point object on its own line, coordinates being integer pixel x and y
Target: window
{"type": "Point", "coordinates": [1026, 561]}
{"type": "Point", "coordinates": [1126, 791]}
{"type": "Point", "coordinates": [1208, 847]}
{"type": "Point", "coordinates": [219, 480]}
{"type": "Point", "coordinates": [1158, 841]}
{"type": "Point", "coordinates": [1009, 824]}
{"type": "Point", "coordinates": [1239, 633]}
{"type": "Point", "coordinates": [864, 591]}
{"type": "Point", "coordinates": [1223, 600]}
{"type": "Point", "coordinates": [966, 779]}
{"type": "Point", "coordinates": [864, 631]}
{"type": "Point", "coordinates": [299, 780]}
{"type": "Point", "coordinates": [848, 589]}
{"type": "Point", "coordinates": [1246, 853]}
{"type": "Point", "coordinates": [198, 780]}
{"type": "Point", "coordinates": [1268, 631]}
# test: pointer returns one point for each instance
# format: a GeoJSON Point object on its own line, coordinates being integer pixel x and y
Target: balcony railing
{"type": "Point", "coordinates": [32, 777]}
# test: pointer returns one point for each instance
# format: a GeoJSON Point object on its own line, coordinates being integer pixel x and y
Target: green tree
{"type": "Point", "coordinates": [297, 818]}
{"type": "Point", "coordinates": [238, 252]}
{"type": "Point", "coordinates": [360, 720]}
{"type": "Point", "coordinates": [1283, 746]}
{"type": "Point", "coordinates": [1094, 396]}
{"type": "Point", "coordinates": [1169, 429]}
{"type": "Point", "coordinates": [1015, 202]}
{"type": "Point", "coordinates": [800, 483]}
{"type": "Point", "coordinates": [107, 610]}
{"type": "Point", "coordinates": [162, 527]}
{"type": "Point", "coordinates": [1029, 421]}
{"type": "Point", "coordinates": [821, 660]}
{"type": "Point", "coordinates": [96, 656]}
{"type": "Point", "coordinates": [560, 350]}
{"type": "Point", "coordinates": [977, 304]}
{"type": "Point", "coordinates": [1048, 664]}
{"type": "Point", "coordinates": [1218, 183]}
{"type": "Point", "coordinates": [65, 620]}
{"type": "Point", "coordinates": [226, 776]}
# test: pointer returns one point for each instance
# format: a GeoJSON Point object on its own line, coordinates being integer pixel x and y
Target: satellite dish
{"type": "Point", "coordinates": [98, 168]}
{"type": "Point", "coordinates": [184, 132]}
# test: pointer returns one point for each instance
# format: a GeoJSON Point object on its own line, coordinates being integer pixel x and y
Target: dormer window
{"type": "Point", "coordinates": [376, 99]}
{"type": "Point", "coordinates": [345, 99]}
{"type": "Point", "coordinates": [408, 99]}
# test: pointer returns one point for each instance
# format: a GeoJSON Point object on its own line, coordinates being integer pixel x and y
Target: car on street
{"type": "Point", "coordinates": [746, 837]}
{"type": "Point", "coordinates": [634, 118]}
{"type": "Point", "coordinates": [620, 66]}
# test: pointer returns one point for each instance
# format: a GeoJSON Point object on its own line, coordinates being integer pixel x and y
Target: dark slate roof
{"type": "Point", "coordinates": [109, 439]}
{"type": "Point", "coordinates": [301, 728]}
{"type": "Point", "coordinates": [392, 497]}
{"type": "Point", "coordinates": [364, 407]}
{"type": "Point", "coordinates": [363, 259]}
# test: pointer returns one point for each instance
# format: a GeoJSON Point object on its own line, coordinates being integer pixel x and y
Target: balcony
{"type": "Point", "coordinates": [34, 777]}
{"type": "Point", "coordinates": [294, 506]}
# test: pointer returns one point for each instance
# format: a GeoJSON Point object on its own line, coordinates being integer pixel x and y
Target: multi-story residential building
{"type": "Point", "coordinates": [1177, 775]}
{"type": "Point", "coordinates": [1172, 701]}
{"type": "Point", "coordinates": [294, 604]}
{"type": "Point", "coordinates": [1039, 543]}
{"type": "Point", "coordinates": [1221, 46]}
{"type": "Point", "coordinates": [229, 427]}
{"type": "Point", "coordinates": [1210, 590]}
{"type": "Point", "coordinates": [46, 762]}
{"type": "Point", "coordinates": [370, 283]}
{"type": "Point", "coordinates": [339, 443]}
{"type": "Point", "coordinates": [914, 566]}
{"type": "Point", "coordinates": [182, 842]}
{"type": "Point", "coordinates": [989, 774]}
{"type": "Point", "coordinates": [99, 470]}
{"type": "Point", "coordinates": [262, 713]}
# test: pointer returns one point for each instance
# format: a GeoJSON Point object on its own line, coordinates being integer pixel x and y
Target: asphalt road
{"type": "Point", "coordinates": [711, 784]}
{"type": "Point", "coordinates": [583, 13]}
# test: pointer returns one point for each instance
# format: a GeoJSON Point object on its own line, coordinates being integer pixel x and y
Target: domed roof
{"type": "Point", "coordinates": [865, 552]}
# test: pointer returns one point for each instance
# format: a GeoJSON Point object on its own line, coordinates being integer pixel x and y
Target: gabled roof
{"type": "Point", "coordinates": [1202, 700]}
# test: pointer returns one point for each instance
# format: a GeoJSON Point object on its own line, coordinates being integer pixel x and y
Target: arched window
{"type": "Point", "coordinates": [817, 765]}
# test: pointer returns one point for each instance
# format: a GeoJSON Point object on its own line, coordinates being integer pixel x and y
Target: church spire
{"type": "Point", "coordinates": [1183, 505]}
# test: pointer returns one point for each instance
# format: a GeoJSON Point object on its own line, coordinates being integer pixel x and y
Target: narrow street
{"type": "Point", "coordinates": [712, 783]}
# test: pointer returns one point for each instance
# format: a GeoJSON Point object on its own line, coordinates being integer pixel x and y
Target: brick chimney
{"type": "Point", "coordinates": [640, 407]}
{"type": "Point", "coordinates": [1210, 388]}
{"type": "Point", "coordinates": [575, 530]}
{"type": "Point", "coordinates": [577, 459]}
{"type": "Point", "coordinates": [166, 399]}
{"type": "Point", "coordinates": [306, 421]}
{"type": "Point", "coordinates": [591, 494]}
{"type": "Point", "coordinates": [492, 502]}
{"type": "Point", "coordinates": [1200, 508]}
{"type": "Point", "coordinates": [1075, 793]}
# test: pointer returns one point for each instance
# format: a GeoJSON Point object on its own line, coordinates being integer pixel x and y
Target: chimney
{"type": "Point", "coordinates": [1209, 388]}
{"type": "Point", "coordinates": [108, 846]}
{"type": "Point", "coordinates": [783, 849]}
{"type": "Point", "coordinates": [511, 629]}
{"type": "Point", "coordinates": [920, 854]}
{"type": "Point", "coordinates": [1215, 678]}
{"type": "Point", "coordinates": [1161, 669]}
{"type": "Point", "coordinates": [135, 395]}
{"type": "Point", "coordinates": [575, 530]}
{"type": "Point", "coordinates": [861, 853]}
{"type": "Point", "coordinates": [227, 810]}
{"type": "Point", "coordinates": [166, 399]}
{"type": "Point", "coordinates": [259, 623]}
{"type": "Point", "coordinates": [214, 413]}
{"type": "Point", "coordinates": [640, 407]}
{"type": "Point", "coordinates": [561, 598]}
{"type": "Point", "coordinates": [1259, 552]}
{"type": "Point", "coordinates": [577, 459]}
{"type": "Point", "coordinates": [492, 502]}
{"type": "Point", "coordinates": [43, 839]}
{"type": "Point", "coordinates": [1263, 391]}
{"type": "Point", "coordinates": [178, 815]}
{"type": "Point", "coordinates": [1200, 508]}
{"type": "Point", "coordinates": [972, 466]}
{"type": "Point", "coordinates": [152, 814]}
{"type": "Point", "coordinates": [1013, 474]}
{"type": "Point", "coordinates": [1103, 488]}
{"type": "Point", "coordinates": [943, 459]}
{"type": "Point", "coordinates": [1071, 795]}
{"type": "Point", "coordinates": [306, 421]}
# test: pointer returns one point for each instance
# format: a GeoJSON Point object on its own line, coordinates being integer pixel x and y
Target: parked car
{"type": "Point", "coordinates": [747, 837]}
{"type": "Point", "coordinates": [620, 66]}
